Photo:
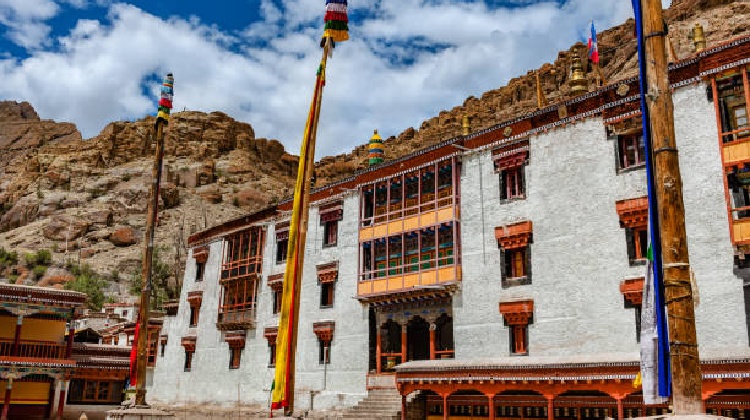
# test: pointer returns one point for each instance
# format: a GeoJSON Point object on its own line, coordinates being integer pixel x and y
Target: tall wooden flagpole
{"type": "Point", "coordinates": [162, 117]}
{"type": "Point", "coordinates": [336, 30]}
{"type": "Point", "coordinates": [683, 343]}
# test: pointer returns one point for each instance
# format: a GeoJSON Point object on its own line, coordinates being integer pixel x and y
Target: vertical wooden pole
{"type": "Point", "coordinates": [445, 407]}
{"type": "Point", "coordinates": [6, 400]}
{"type": "Point", "coordinates": [551, 407]}
{"type": "Point", "coordinates": [684, 359]}
{"type": "Point", "coordinates": [61, 401]}
{"type": "Point", "coordinates": [492, 406]}
{"type": "Point", "coordinates": [403, 343]}
{"type": "Point", "coordinates": [148, 254]}
{"type": "Point", "coordinates": [432, 341]}
{"type": "Point", "coordinates": [378, 350]}
{"type": "Point", "coordinates": [17, 337]}
{"type": "Point", "coordinates": [403, 407]}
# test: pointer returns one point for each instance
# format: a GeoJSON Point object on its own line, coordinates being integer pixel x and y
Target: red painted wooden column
{"type": "Point", "coordinates": [620, 409]}
{"type": "Point", "coordinates": [550, 407]}
{"type": "Point", "coordinates": [17, 337]}
{"type": "Point", "coordinates": [61, 401]}
{"type": "Point", "coordinates": [403, 344]}
{"type": "Point", "coordinates": [492, 406]}
{"type": "Point", "coordinates": [403, 407]}
{"type": "Point", "coordinates": [445, 407]}
{"type": "Point", "coordinates": [6, 401]}
{"type": "Point", "coordinates": [378, 361]}
{"type": "Point", "coordinates": [432, 341]}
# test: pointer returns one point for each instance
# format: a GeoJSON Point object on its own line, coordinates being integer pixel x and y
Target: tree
{"type": "Point", "coordinates": [162, 288]}
{"type": "Point", "coordinates": [90, 283]}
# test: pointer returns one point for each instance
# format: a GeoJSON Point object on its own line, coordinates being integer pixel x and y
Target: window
{"type": "Point", "coordinates": [634, 219]}
{"type": "Point", "coordinates": [188, 359]}
{"type": "Point", "coordinates": [194, 311]}
{"type": "Point", "coordinates": [281, 249]}
{"type": "Point", "coordinates": [324, 332]}
{"type": "Point", "coordinates": [512, 183]}
{"type": "Point", "coordinates": [732, 108]}
{"type": "Point", "coordinates": [199, 268]}
{"type": "Point", "coordinates": [519, 339]}
{"type": "Point", "coordinates": [272, 354]}
{"type": "Point", "coordinates": [276, 294]}
{"type": "Point", "coordinates": [509, 163]}
{"type": "Point", "coordinates": [637, 240]}
{"type": "Point", "coordinates": [195, 298]}
{"type": "Point", "coordinates": [632, 292]}
{"type": "Point", "coordinates": [326, 295]}
{"type": "Point", "coordinates": [517, 316]}
{"type": "Point", "coordinates": [330, 233]}
{"type": "Point", "coordinates": [631, 150]}
{"type": "Point", "coordinates": [270, 333]}
{"type": "Point", "coordinates": [324, 352]}
{"type": "Point", "coordinates": [89, 391]}
{"type": "Point", "coordinates": [515, 263]}
{"type": "Point", "coordinates": [234, 357]}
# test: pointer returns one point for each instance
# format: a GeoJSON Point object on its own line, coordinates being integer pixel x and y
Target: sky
{"type": "Point", "coordinates": [91, 62]}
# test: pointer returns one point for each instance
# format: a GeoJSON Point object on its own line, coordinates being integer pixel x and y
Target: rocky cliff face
{"type": "Point", "coordinates": [85, 200]}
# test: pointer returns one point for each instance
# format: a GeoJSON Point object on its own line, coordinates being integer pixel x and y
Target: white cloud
{"type": "Point", "coordinates": [453, 50]}
{"type": "Point", "coordinates": [24, 21]}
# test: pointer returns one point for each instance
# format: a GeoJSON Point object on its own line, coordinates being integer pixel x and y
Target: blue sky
{"type": "Point", "coordinates": [94, 61]}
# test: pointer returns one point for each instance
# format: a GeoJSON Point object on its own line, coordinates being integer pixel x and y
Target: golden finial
{"type": "Point", "coordinates": [699, 39]}
{"type": "Point", "coordinates": [465, 126]}
{"type": "Point", "coordinates": [578, 82]}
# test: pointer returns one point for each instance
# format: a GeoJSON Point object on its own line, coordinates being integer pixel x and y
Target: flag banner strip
{"type": "Point", "coordinates": [336, 21]}
{"type": "Point", "coordinates": [167, 95]}
{"type": "Point", "coordinates": [662, 331]}
{"type": "Point", "coordinates": [336, 16]}
{"type": "Point", "coordinates": [292, 276]}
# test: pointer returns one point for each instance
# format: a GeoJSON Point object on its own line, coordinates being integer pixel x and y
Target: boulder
{"type": "Point", "coordinates": [123, 236]}
{"type": "Point", "coordinates": [65, 228]}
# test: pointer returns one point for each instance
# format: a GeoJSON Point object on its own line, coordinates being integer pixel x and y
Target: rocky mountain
{"type": "Point", "coordinates": [85, 200]}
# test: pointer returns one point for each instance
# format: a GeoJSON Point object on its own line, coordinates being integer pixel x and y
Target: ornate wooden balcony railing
{"type": "Point", "coordinates": [33, 349]}
{"type": "Point", "coordinates": [236, 319]}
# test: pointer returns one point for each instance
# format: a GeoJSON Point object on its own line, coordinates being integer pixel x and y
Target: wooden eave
{"type": "Point", "coordinates": [208, 235]}
{"type": "Point", "coordinates": [633, 212]}
{"type": "Point", "coordinates": [517, 235]}
{"type": "Point", "coordinates": [517, 312]}
{"type": "Point", "coordinates": [14, 293]}
{"type": "Point", "coordinates": [437, 292]}
{"type": "Point", "coordinates": [632, 290]}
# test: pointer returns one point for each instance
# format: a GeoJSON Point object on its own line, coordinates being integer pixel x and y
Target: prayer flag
{"type": "Point", "coordinates": [649, 338]}
{"type": "Point", "coordinates": [593, 46]}
{"type": "Point", "coordinates": [337, 21]}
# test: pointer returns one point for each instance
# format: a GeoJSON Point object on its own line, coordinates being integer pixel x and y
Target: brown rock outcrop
{"type": "Point", "coordinates": [123, 236]}
{"type": "Point", "coordinates": [64, 228]}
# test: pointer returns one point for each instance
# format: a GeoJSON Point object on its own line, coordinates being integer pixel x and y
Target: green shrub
{"type": "Point", "coordinates": [39, 271]}
{"type": "Point", "coordinates": [88, 282]}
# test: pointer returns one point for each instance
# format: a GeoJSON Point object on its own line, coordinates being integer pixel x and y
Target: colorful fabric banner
{"type": "Point", "coordinates": [593, 46]}
{"type": "Point", "coordinates": [337, 21]}
{"type": "Point", "coordinates": [167, 95]}
{"type": "Point", "coordinates": [649, 338]}
{"type": "Point", "coordinates": [664, 378]}
{"type": "Point", "coordinates": [134, 353]}
{"type": "Point", "coordinates": [376, 152]}
{"type": "Point", "coordinates": [287, 332]}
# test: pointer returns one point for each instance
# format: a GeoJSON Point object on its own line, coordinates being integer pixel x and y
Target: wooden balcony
{"type": "Point", "coordinates": [741, 231]}
{"type": "Point", "coordinates": [237, 319]}
{"type": "Point", "coordinates": [403, 279]}
{"type": "Point", "coordinates": [33, 349]}
{"type": "Point", "coordinates": [737, 152]}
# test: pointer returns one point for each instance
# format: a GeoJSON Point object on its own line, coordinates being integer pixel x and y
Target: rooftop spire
{"type": "Point", "coordinates": [376, 149]}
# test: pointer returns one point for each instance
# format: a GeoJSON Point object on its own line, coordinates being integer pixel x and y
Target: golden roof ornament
{"type": "Point", "coordinates": [578, 82]}
{"type": "Point", "coordinates": [465, 126]}
{"type": "Point", "coordinates": [698, 38]}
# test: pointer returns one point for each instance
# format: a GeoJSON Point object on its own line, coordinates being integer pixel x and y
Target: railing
{"type": "Point", "coordinates": [236, 316]}
{"type": "Point", "coordinates": [242, 267]}
{"type": "Point", "coordinates": [399, 209]}
{"type": "Point", "coordinates": [33, 349]}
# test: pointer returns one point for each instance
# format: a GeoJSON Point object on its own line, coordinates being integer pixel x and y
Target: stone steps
{"type": "Point", "coordinates": [380, 404]}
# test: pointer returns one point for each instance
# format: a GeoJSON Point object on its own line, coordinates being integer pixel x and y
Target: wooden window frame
{"type": "Point", "coordinates": [324, 352]}
{"type": "Point", "coordinates": [200, 269]}
{"type": "Point", "coordinates": [282, 247]}
{"type": "Point", "coordinates": [235, 357]}
{"type": "Point", "coordinates": [194, 314]}
{"type": "Point", "coordinates": [330, 233]}
{"type": "Point", "coordinates": [513, 183]}
{"type": "Point", "coordinates": [626, 143]}
{"type": "Point", "coordinates": [188, 366]}
{"type": "Point", "coordinates": [327, 294]}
